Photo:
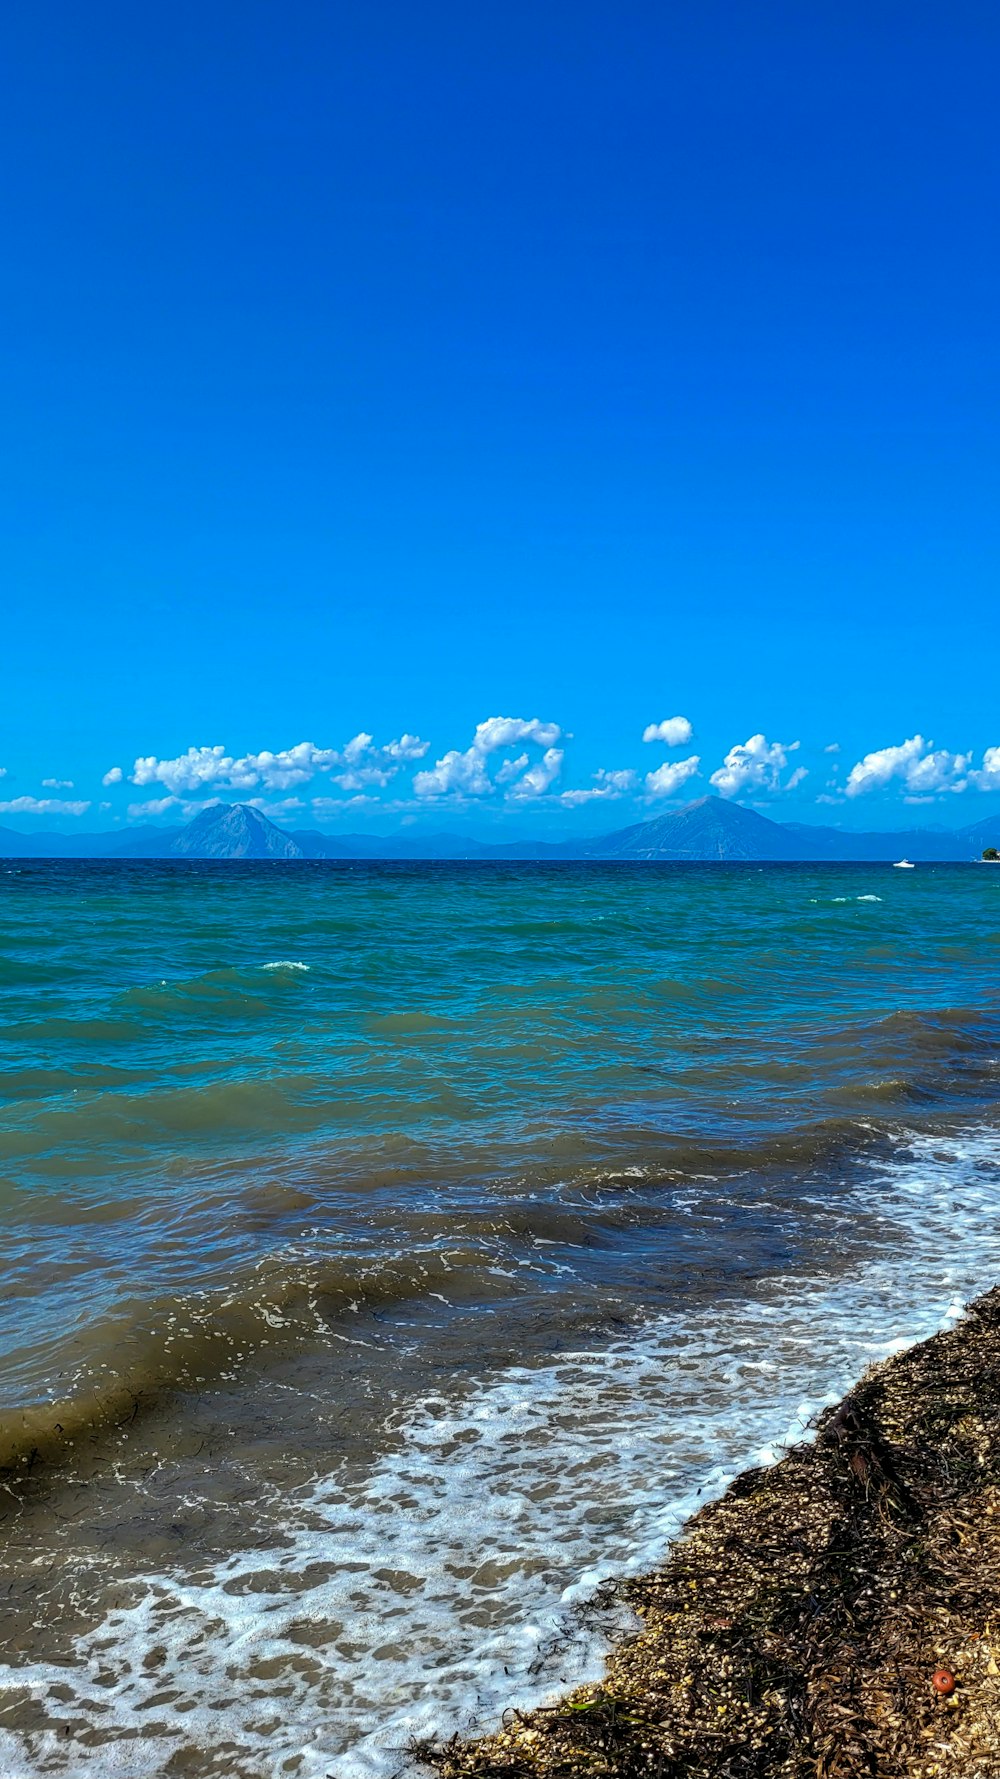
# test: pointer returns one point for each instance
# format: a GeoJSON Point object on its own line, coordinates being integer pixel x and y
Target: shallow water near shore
{"type": "Point", "coordinates": [394, 1254]}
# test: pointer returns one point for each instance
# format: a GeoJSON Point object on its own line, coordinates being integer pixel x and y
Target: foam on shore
{"type": "Point", "coordinates": [450, 1579]}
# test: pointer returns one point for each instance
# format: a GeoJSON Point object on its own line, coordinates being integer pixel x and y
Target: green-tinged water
{"type": "Point", "coordinates": [391, 1251]}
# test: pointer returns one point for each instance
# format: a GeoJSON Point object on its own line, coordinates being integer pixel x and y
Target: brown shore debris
{"type": "Point", "coordinates": [836, 1615]}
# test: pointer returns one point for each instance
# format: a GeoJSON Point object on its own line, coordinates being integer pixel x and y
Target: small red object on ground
{"type": "Point", "coordinates": [943, 1682]}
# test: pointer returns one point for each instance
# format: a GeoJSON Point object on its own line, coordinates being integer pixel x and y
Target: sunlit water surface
{"type": "Point", "coordinates": [396, 1255]}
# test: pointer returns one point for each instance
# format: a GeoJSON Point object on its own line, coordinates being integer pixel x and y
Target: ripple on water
{"type": "Point", "coordinates": [428, 1589]}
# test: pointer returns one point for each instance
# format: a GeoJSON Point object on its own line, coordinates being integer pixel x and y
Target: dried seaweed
{"type": "Point", "coordinates": [795, 1629]}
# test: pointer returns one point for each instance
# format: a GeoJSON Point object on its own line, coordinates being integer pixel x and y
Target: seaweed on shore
{"type": "Point", "coordinates": [796, 1628]}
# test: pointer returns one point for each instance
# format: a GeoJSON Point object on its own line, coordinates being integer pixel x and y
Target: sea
{"type": "Point", "coordinates": [396, 1255]}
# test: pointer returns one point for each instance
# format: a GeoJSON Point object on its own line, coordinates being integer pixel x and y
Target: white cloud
{"type": "Point", "coordinates": [573, 799]}
{"type": "Point", "coordinates": [158, 806]}
{"type": "Point", "coordinates": [57, 784]}
{"type": "Point", "coordinates": [756, 765]}
{"type": "Point", "coordinates": [619, 781]}
{"type": "Point", "coordinates": [334, 805]}
{"type": "Point", "coordinates": [365, 765]}
{"type": "Point", "coordinates": [362, 778]}
{"type": "Point", "coordinates": [499, 732]}
{"type": "Point", "coordinates": [188, 772]}
{"type": "Point", "coordinates": [883, 764]}
{"type": "Point", "coordinates": [278, 772]}
{"type": "Point", "coordinates": [540, 777]}
{"type": "Point", "coordinates": [669, 777]}
{"type": "Point", "coordinates": [673, 731]}
{"type": "Point", "coordinates": [832, 747]}
{"type": "Point", "coordinates": [466, 774]}
{"type": "Point", "coordinates": [408, 747]}
{"type": "Point", "coordinates": [358, 764]}
{"type": "Point", "coordinates": [356, 749]}
{"type": "Point", "coordinates": [512, 769]}
{"type": "Point", "coordinates": [616, 782]}
{"type": "Point", "coordinates": [3, 771]}
{"type": "Point", "coordinates": [115, 776]}
{"type": "Point", "coordinates": [940, 771]}
{"type": "Point", "coordinates": [202, 766]}
{"type": "Point", "coordinates": [988, 776]}
{"type": "Point", "coordinates": [42, 806]}
{"type": "Point", "coordinates": [922, 769]}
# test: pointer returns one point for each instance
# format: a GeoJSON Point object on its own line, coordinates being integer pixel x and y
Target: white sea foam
{"type": "Point", "coordinates": [838, 900]}
{"type": "Point", "coordinates": [446, 1582]}
{"type": "Point", "coordinates": [286, 963]}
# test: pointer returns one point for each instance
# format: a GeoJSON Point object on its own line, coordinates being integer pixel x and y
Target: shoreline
{"type": "Point", "coordinates": [795, 1625]}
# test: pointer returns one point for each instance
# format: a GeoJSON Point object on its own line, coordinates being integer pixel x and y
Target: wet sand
{"type": "Point", "coordinates": [797, 1627]}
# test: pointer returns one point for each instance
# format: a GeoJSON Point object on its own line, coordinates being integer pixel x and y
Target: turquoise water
{"type": "Point", "coordinates": [317, 1179]}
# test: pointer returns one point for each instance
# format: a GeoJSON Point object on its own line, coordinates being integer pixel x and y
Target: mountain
{"type": "Point", "coordinates": [233, 831]}
{"type": "Point", "coordinates": [14, 845]}
{"type": "Point", "coordinates": [49, 845]}
{"type": "Point", "coordinates": [145, 842]}
{"type": "Point", "coordinates": [222, 831]}
{"type": "Point", "coordinates": [920, 845]}
{"type": "Point", "coordinates": [707, 829]}
{"type": "Point", "coordinates": [978, 835]}
{"type": "Point", "coordinates": [714, 829]}
{"type": "Point", "coordinates": [710, 828]}
{"type": "Point", "coordinates": [314, 845]}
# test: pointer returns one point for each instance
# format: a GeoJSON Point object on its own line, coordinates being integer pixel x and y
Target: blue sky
{"type": "Point", "coordinates": [389, 370]}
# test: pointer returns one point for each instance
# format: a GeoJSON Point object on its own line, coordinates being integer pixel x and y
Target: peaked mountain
{"type": "Point", "coordinates": [234, 831]}
{"type": "Point", "coordinates": [707, 829]}
{"type": "Point", "coordinates": [710, 828]}
{"type": "Point", "coordinates": [978, 835]}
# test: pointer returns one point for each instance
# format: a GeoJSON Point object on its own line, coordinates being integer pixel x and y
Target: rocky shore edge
{"type": "Point", "coordinates": [835, 1616]}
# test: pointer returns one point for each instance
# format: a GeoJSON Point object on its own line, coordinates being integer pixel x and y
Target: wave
{"type": "Point", "coordinates": [518, 1242]}
{"type": "Point", "coordinates": [454, 1572]}
{"type": "Point", "coordinates": [453, 1123]}
{"type": "Point", "coordinates": [228, 989]}
{"type": "Point", "coordinates": [188, 1341]}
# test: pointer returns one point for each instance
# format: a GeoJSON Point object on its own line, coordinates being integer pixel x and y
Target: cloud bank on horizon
{"type": "Point", "coordinates": [520, 762]}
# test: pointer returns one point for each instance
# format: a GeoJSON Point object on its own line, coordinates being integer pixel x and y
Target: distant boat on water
{"type": "Point", "coordinates": [902, 865]}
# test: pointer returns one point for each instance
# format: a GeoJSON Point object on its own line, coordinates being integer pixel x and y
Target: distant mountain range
{"type": "Point", "coordinates": [708, 829]}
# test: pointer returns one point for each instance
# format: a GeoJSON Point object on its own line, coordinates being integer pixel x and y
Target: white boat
{"type": "Point", "coordinates": [902, 865]}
